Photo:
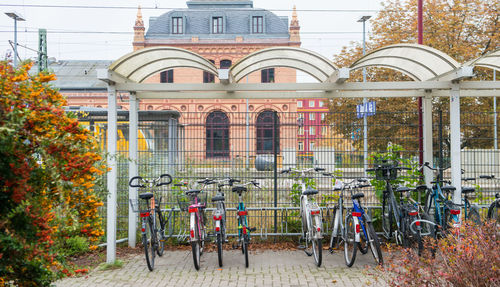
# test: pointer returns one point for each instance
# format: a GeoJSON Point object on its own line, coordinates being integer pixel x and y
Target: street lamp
{"type": "Point", "coordinates": [16, 17]}
{"type": "Point", "coordinates": [363, 20]}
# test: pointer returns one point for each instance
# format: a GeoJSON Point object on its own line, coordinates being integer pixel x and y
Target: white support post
{"type": "Point", "coordinates": [456, 165]}
{"type": "Point", "coordinates": [132, 166]}
{"type": "Point", "coordinates": [428, 150]}
{"type": "Point", "coordinates": [112, 176]}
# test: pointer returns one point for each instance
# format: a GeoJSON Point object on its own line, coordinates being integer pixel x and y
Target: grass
{"type": "Point", "coordinates": [111, 266]}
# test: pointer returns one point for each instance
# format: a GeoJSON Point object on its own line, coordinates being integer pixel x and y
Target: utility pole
{"type": "Point", "coordinates": [17, 17]}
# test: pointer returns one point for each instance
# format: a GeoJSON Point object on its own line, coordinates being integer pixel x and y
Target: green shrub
{"type": "Point", "coordinates": [75, 246]}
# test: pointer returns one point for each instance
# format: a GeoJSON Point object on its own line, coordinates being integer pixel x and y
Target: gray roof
{"type": "Point", "coordinates": [237, 22]}
{"type": "Point", "coordinates": [77, 74]}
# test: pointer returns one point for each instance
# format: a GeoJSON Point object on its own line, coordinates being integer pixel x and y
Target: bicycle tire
{"type": "Point", "coordinates": [317, 251]}
{"type": "Point", "coordinates": [374, 244]}
{"type": "Point", "coordinates": [430, 231]}
{"type": "Point", "coordinates": [493, 211]}
{"type": "Point", "coordinates": [195, 246]}
{"type": "Point", "coordinates": [350, 244]}
{"type": "Point", "coordinates": [149, 245]}
{"type": "Point", "coordinates": [160, 235]}
{"type": "Point", "coordinates": [363, 242]}
{"type": "Point", "coordinates": [333, 236]}
{"type": "Point", "coordinates": [219, 249]}
{"type": "Point", "coordinates": [244, 248]}
{"type": "Point", "coordinates": [203, 234]}
{"type": "Point", "coordinates": [387, 220]}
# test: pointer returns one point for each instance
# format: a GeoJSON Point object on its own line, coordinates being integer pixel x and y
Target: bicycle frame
{"type": "Point", "coordinates": [396, 212]}
{"type": "Point", "coordinates": [313, 215]}
{"type": "Point", "coordinates": [358, 213]}
{"type": "Point", "coordinates": [241, 216]}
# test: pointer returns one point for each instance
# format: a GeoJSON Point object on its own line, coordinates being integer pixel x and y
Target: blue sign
{"type": "Point", "coordinates": [366, 109]}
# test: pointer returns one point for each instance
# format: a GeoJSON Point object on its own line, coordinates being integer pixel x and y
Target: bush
{"type": "Point", "coordinates": [49, 164]}
{"type": "Point", "coordinates": [469, 256]}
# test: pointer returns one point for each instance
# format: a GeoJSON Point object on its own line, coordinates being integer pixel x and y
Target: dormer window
{"type": "Point", "coordinates": [217, 25]}
{"type": "Point", "coordinates": [257, 24]}
{"type": "Point", "coordinates": [177, 25]}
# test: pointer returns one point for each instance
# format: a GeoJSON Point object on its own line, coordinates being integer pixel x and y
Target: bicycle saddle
{"type": "Point", "coordinates": [467, 189]}
{"type": "Point", "coordinates": [358, 195]}
{"type": "Point", "coordinates": [218, 197]}
{"type": "Point", "coordinates": [402, 189]}
{"type": "Point", "coordinates": [239, 189]}
{"type": "Point", "coordinates": [421, 187]}
{"type": "Point", "coordinates": [448, 188]}
{"type": "Point", "coordinates": [147, 195]}
{"type": "Point", "coordinates": [309, 191]}
{"type": "Point", "coordinates": [193, 191]}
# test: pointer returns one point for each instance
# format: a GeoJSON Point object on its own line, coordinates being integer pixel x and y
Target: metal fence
{"type": "Point", "coordinates": [257, 145]}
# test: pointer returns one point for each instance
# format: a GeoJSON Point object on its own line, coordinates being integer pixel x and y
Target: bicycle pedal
{"type": "Point", "coordinates": [302, 247]}
{"type": "Point", "coordinates": [253, 229]}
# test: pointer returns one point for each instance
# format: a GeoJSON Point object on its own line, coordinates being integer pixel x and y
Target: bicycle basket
{"type": "Point", "coordinates": [387, 170]}
{"type": "Point", "coordinates": [184, 201]}
{"type": "Point", "coordinates": [139, 205]}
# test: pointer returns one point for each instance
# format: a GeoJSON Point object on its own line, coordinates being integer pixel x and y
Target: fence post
{"type": "Point", "coordinates": [132, 166]}
{"type": "Point", "coordinates": [112, 176]}
{"type": "Point", "coordinates": [276, 147]}
{"type": "Point", "coordinates": [456, 166]}
{"type": "Point", "coordinates": [172, 145]}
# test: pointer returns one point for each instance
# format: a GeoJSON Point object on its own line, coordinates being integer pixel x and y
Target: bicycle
{"type": "Point", "coordinates": [358, 231]}
{"type": "Point", "coordinates": [219, 214]}
{"type": "Point", "coordinates": [311, 216]}
{"type": "Point", "coordinates": [153, 239]}
{"type": "Point", "coordinates": [241, 217]}
{"type": "Point", "coordinates": [446, 213]}
{"type": "Point", "coordinates": [494, 208]}
{"type": "Point", "coordinates": [195, 205]}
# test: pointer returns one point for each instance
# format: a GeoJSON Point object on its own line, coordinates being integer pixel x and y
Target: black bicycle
{"type": "Point", "coordinates": [153, 220]}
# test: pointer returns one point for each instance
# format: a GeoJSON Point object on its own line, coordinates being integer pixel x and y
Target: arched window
{"type": "Point", "coordinates": [266, 136]}
{"type": "Point", "coordinates": [217, 134]}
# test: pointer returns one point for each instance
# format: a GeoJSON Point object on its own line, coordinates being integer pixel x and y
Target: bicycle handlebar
{"type": "Point", "coordinates": [156, 182]}
{"type": "Point", "coordinates": [487, 176]}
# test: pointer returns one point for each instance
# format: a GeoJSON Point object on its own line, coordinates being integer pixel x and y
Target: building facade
{"type": "Point", "coordinates": [223, 32]}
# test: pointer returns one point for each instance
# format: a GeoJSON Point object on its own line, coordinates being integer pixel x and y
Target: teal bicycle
{"type": "Point", "coordinates": [241, 217]}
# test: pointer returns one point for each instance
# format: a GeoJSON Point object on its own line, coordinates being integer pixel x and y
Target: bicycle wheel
{"type": "Point", "coordinates": [374, 243]}
{"type": "Point", "coordinates": [317, 251]}
{"type": "Point", "coordinates": [387, 220]}
{"type": "Point", "coordinates": [219, 249]}
{"type": "Point", "coordinates": [203, 234]}
{"type": "Point", "coordinates": [350, 244]}
{"type": "Point", "coordinates": [473, 215]}
{"type": "Point", "coordinates": [333, 236]}
{"type": "Point", "coordinates": [244, 249]}
{"type": "Point", "coordinates": [148, 242]}
{"type": "Point", "coordinates": [160, 234]}
{"type": "Point", "coordinates": [195, 247]}
{"type": "Point", "coordinates": [494, 211]}
{"type": "Point", "coordinates": [363, 242]}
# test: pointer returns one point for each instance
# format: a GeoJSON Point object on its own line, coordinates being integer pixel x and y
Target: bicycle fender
{"type": "Point", "coordinates": [192, 226]}
{"type": "Point", "coordinates": [357, 236]}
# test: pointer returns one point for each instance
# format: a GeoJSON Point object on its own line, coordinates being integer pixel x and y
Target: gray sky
{"type": "Point", "coordinates": [68, 28]}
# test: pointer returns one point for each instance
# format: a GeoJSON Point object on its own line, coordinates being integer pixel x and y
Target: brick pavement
{"type": "Point", "coordinates": [267, 268]}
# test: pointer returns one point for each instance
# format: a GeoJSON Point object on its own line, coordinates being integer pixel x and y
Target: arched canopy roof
{"type": "Point", "coordinates": [419, 62]}
{"type": "Point", "coordinates": [304, 60]}
{"type": "Point", "coordinates": [490, 60]}
{"type": "Point", "coordinates": [141, 64]}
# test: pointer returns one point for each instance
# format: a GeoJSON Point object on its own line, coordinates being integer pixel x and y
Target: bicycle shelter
{"type": "Point", "coordinates": [435, 74]}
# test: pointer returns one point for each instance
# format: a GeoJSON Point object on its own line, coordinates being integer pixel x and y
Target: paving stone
{"type": "Point", "coordinates": [267, 268]}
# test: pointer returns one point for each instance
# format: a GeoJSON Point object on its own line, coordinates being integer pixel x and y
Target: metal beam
{"type": "Point", "coordinates": [305, 95]}
{"type": "Point", "coordinates": [427, 134]}
{"type": "Point", "coordinates": [111, 77]}
{"type": "Point", "coordinates": [339, 76]}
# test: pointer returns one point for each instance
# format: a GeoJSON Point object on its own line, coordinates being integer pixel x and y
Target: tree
{"type": "Point", "coordinates": [463, 29]}
{"type": "Point", "coordinates": [48, 168]}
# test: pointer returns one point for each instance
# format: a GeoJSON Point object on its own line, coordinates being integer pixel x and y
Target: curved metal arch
{"type": "Point", "coordinates": [139, 65]}
{"type": "Point", "coordinates": [419, 62]}
{"type": "Point", "coordinates": [490, 60]}
{"type": "Point", "coordinates": [304, 60]}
